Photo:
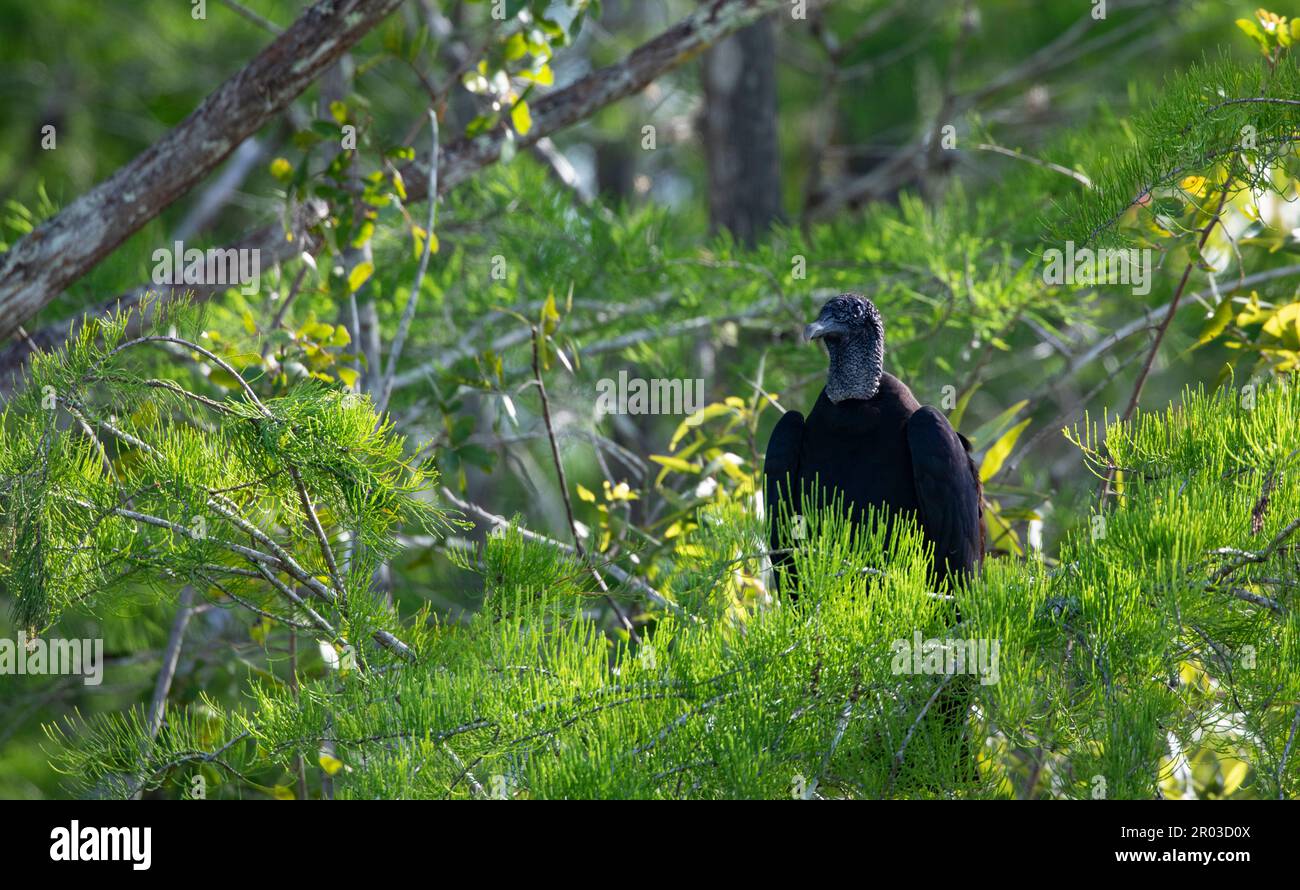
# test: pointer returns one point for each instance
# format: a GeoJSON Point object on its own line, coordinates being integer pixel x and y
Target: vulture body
{"type": "Point", "coordinates": [868, 442]}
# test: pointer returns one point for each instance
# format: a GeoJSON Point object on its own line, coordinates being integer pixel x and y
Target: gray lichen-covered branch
{"type": "Point", "coordinates": [30, 275]}
{"type": "Point", "coordinates": [70, 244]}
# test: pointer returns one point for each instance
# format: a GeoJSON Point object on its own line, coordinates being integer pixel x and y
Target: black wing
{"type": "Point", "coordinates": [948, 491]}
{"type": "Point", "coordinates": [781, 490]}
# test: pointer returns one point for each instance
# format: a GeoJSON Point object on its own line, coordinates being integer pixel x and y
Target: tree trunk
{"type": "Point", "coordinates": [740, 133]}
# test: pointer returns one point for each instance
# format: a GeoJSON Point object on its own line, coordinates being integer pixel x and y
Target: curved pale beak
{"type": "Point", "coordinates": [815, 330]}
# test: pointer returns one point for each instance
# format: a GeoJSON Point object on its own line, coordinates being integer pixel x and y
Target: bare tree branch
{"type": "Point", "coordinates": [24, 288]}
{"type": "Point", "coordinates": [64, 248]}
{"type": "Point", "coordinates": [564, 490]}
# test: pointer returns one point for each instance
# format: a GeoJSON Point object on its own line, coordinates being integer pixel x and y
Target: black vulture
{"type": "Point", "coordinates": [868, 441]}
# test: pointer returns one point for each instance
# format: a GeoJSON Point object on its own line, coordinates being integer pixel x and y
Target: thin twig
{"type": "Point", "coordinates": [291, 296]}
{"type": "Point", "coordinates": [299, 766]}
{"type": "Point", "coordinates": [464, 771]}
{"type": "Point", "coordinates": [1258, 599]}
{"type": "Point", "coordinates": [564, 489]}
{"type": "Point", "coordinates": [313, 522]}
{"type": "Point", "coordinates": [1145, 371]}
{"type": "Point", "coordinates": [287, 592]}
{"type": "Point", "coordinates": [1012, 153]}
{"type": "Point", "coordinates": [167, 670]}
{"type": "Point", "coordinates": [1247, 557]}
{"type": "Point", "coordinates": [845, 714]}
{"type": "Point", "coordinates": [1286, 754]}
{"type": "Point", "coordinates": [624, 577]}
{"type": "Point", "coordinates": [408, 314]}
{"type": "Point", "coordinates": [261, 22]}
{"type": "Point", "coordinates": [907, 739]}
{"type": "Point", "coordinates": [171, 655]}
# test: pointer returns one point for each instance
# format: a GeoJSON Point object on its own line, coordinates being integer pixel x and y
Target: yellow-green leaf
{"type": "Point", "coordinates": [1234, 773]}
{"type": "Point", "coordinates": [1254, 313]}
{"type": "Point", "coordinates": [1253, 31]}
{"type": "Point", "coordinates": [521, 117]}
{"type": "Point", "coordinates": [364, 233]}
{"type": "Point", "coordinates": [999, 450]}
{"type": "Point", "coordinates": [317, 330]}
{"type": "Point", "coordinates": [550, 315]}
{"type": "Point", "coordinates": [359, 275]}
{"type": "Point", "coordinates": [708, 412]}
{"type": "Point", "coordinates": [516, 47]}
{"type": "Point", "coordinates": [418, 233]}
{"type": "Point", "coordinates": [675, 463]}
{"type": "Point", "coordinates": [543, 75]}
{"type": "Point", "coordinates": [1282, 324]}
{"type": "Point", "coordinates": [620, 492]}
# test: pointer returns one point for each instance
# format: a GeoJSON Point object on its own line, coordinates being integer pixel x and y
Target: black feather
{"type": "Point", "coordinates": [884, 453]}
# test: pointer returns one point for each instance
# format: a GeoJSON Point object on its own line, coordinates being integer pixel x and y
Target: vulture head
{"type": "Point", "coordinates": [855, 338]}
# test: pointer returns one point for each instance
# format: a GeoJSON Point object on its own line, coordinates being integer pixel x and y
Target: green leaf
{"type": "Point", "coordinates": [480, 124]}
{"type": "Point", "coordinates": [222, 377]}
{"type": "Point", "coordinates": [995, 426]}
{"type": "Point", "coordinates": [959, 412]}
{"type": "Point", "coordinates": [1217, 323]}
{"type": "Point", "coordinates": [316, 330]}
{"type": "Point", "coordinates": [478, 456]}
{"type": "Point", "coordinates": [1169, 207]}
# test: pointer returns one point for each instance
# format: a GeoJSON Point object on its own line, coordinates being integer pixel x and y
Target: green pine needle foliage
{"type": "Point", "coordinates": [114, 481]}
{"type": "Point", "coordinates": [1169, 626]}
{"type": "Point", "coordinates": [1221, 112]}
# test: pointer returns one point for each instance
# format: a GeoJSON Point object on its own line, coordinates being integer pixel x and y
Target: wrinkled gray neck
{"type": "Point", "coordinates": [856, 365]}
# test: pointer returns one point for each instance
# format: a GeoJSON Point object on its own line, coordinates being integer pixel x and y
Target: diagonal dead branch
{"type": "Point", "coordinates": [64, 248]}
